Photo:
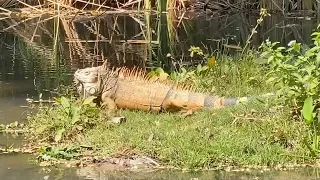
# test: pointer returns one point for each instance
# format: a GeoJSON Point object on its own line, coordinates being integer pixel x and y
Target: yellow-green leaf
{"type": "Point", "coordinates": [88, 100]}
{"type": "Point", "coordinates": [65, 102]}
{"type": "Point", "coordinates": [307, 110]}
{"type": "Point", "coordinates": [173, 75]}
{"type": "Point", "coordinates": [159, 71]}
{"type": "Point", "coordinates": [211, 61]}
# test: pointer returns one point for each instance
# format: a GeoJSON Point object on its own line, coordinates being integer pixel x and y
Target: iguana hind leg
{"type": "Point", "coordinates": [175, 105]}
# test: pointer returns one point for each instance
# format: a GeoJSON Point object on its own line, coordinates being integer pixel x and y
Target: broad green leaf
{"type": "Point", "coordinates": [211, 62]}
{"type": "Point", "coordinates": [58, 135]}
{"type": "Point", "coordinates": [75, 115]}
{"type": "Point", "coordinates": [88, 100]}
{"type": "Point", "coordinates": [307, 110]}
{"type": "Point", "coordinates": [152, 74]}
{"type": "Point", "coordinates": [270, 80]}
{"type": "Point", "coordinates": [271, 58]}
{"type": "Point", "coordinates": [173, 75]}
{"type": "Point", "coordinates": [296, 46]}
{"type": "Point", "coordinates": [159, 71]}
{"type": "Point", "coordinates": [65, 102]}
{"type": "Point", "coordinates": [310, 68]}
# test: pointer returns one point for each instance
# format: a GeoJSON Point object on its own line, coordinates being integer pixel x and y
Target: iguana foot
{"type": "Point", "coordinates": [118, 120]}
{"type": "Point", "coordinates": [185, 113]}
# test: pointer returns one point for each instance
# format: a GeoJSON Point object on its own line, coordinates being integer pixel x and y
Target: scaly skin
{"type": "Point", "coordinates": [133, 89]}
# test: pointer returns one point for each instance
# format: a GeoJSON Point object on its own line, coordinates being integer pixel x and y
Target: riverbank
{"type": "Point", "coordinates": [259, 134]}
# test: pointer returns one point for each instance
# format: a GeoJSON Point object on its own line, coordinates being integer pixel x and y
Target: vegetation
{"type": "Point", "coordinates": [295, 71]}
{"type": "Point", "coordinates": [262, 132]}
{"type": "Point", "coordinates": [226, 137]}
{"type": "Point", "coordinates": [265, 132]}
{"type": "Point", "coordinates": [164, 5]}
{"type": "Point", "coordinates": [207, 139]}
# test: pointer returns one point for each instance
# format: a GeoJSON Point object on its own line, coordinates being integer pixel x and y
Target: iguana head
{"type": "Point", "coordinates": [88, 81]}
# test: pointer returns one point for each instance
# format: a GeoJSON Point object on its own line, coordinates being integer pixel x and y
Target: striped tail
{"type": "Point", "coordinates": [211, 102]}
{"type": "Point", "coordinates": [195, 100]}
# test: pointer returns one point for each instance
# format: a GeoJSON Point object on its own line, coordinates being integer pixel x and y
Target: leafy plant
{"type": "Point", "coordinates": [65, 118]}
{"type": "Point", "coordinates": [296, 74]}
{"type": "Point", "coordinates": [53, 153]}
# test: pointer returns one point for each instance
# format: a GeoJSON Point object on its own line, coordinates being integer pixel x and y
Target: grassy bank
{"type": "Point", "coordinates": [259, 133]}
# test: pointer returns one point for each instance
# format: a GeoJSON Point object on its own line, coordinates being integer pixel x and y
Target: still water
{"type": "Point", "coordinates": [31, 63]}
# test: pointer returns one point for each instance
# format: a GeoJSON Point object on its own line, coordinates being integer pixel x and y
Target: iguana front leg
{"type": "Point", "coordinates": [108, 103]}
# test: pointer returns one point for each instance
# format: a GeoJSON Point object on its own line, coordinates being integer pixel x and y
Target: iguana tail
{"type": "Point", "coordinates": [177, 99]}
{"type": "Point", "coordinates": [211, 102]}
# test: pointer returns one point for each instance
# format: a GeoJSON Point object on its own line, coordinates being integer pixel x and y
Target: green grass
{"type": "Point", "coordinates": [206, 139]}
{"type": "Point", "coordinates": [232, 76]}
{"type": "Point", "coordinates": [257, 133]}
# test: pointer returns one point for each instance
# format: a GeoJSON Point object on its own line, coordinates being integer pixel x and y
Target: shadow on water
{"type": "Point", "coordinates": [32, 63]}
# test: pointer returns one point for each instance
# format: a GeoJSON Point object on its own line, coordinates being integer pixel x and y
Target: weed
{"type": "Point", "coordinates": [224, 77]}
{"type": "Point", "coordinates": [65, 119]}
{"type": "Point", "coordinates": [296, 74]}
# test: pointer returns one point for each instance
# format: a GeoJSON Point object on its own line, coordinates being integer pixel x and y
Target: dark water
{"type": "Point", "coordinates": [32, 64]}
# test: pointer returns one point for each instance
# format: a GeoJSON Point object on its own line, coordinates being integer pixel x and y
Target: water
{"type": "Point", "coordinates": [31, 64]}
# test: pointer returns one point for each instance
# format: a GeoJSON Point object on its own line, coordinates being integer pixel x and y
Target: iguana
{"type": "Point", "coordinates": [134, 89]}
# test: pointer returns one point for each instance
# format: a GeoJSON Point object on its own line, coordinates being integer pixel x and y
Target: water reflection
{"type": "Point", "coordinates": [96, 173]}
{"type": "Point", "coordinates": [29, 52]}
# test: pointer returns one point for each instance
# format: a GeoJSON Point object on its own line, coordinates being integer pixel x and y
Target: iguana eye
{"type": "Point", "coordinates": [87, 73]}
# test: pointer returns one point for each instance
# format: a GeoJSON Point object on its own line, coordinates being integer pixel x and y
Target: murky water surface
{"type": "Point", "coordinates": [32, 64]}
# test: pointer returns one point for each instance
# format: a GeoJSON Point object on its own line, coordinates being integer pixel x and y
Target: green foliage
{"type": "Point", "coordinates": [226, 76]}
{"type": "Point", "coordinates": [64, 119]}
{"type": "Point", "coordinates": [296, 74]}
{"type": "Point", "coordinates": [307, 110]}
{"type": "Point", "coordinates": [294, 71]}
{"type": "Point", "coordinates": [51, 153]}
